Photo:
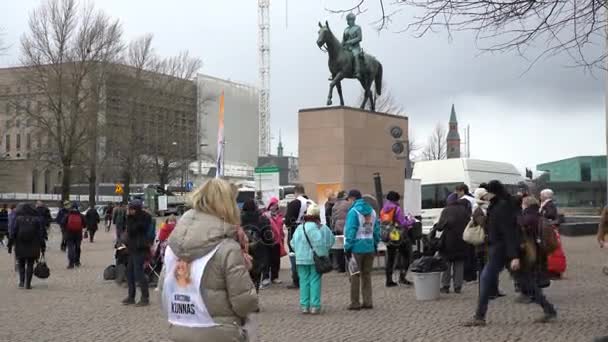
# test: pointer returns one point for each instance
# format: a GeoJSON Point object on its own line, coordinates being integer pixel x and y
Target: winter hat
{"type": "Point", "coordinates": [135, 204]}
{"type": "Point", "coordinates": [272, 202]}
{"type": "Point", "coordinates": [480, 193]}
{"type": "Point", "coordinates": [393, 196]}
{"type": "Point", "coordinates": [354, 193]}
{"type": "Point", "coordinates": [313, 210]}
{"type": "Point", "coordinates": [452, 198]}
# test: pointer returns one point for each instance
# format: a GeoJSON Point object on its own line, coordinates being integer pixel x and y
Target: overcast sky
{"type": "Point", "coordinates": [551, 112]}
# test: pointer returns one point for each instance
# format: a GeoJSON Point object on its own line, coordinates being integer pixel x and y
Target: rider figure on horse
{"type": "Point", "coordinates": [350, 40]}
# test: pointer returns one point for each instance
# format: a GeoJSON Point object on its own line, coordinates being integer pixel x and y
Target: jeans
{"type": "Point", "coordinates": [26, 270]}
{"type": "Point", "coordinates": [488, 282]}
{"type": "Point", "coordinates": [135, 272]}
{"type": "Point", "coordinates": [338, 260]}
{"type": "Point", "coordinates": [73, 242]}
{"type": "Point", "coordinates": [362, 282]}
{"type": "Point", "coordinates": [275, 261]}
{"type": "Point", "coordinates": [294, 271]}
{"type": "Point", "coordinates": [457, 267]}
{"type": "Point", "coordinates": [310, 286]}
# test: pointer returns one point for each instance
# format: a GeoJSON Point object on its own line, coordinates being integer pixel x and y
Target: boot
{"type": "Point", "coordinates": [28, 277]}
{"type": "Point", "coordinates": [389, 280]}
{"type": "Point", "coordinates": [21, 269]}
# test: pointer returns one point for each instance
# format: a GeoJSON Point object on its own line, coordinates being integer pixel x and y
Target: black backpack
{"type": "Point", "coordinates": [27, 228]}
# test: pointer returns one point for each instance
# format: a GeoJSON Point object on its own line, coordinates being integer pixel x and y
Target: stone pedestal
{"type": "Point", "coordinates": [347, 146]}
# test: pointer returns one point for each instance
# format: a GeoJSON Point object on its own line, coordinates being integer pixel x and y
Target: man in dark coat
{"type": "Point", "coordinates": [45, 215]}
{"type": "Point", "coordinates": [452, 222]}
{"type": "Point", "coordinates": [74, 223]}
{"type": "Point", "coordinates": [293, 217]}
{"type": "Point", "coordinates": [28, 235]}
{"type": "Point", "coordinates": [60, 219]}
{"type": "Point", "coordinates": [92, 218]}
{"type": "Point", "coordinates": [138, 224]}
{"type": "Point", "coordinates": [504, 244]}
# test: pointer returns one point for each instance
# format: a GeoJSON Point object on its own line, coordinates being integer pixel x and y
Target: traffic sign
{"type": "Point", "coordinates": [118, 189]}
{"type": "Point", "coordinates": [189, 185]}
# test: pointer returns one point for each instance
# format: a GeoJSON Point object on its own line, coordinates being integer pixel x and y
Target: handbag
{"type": "Point", "coordinates": [322, 263]}
{"type": "Point", "coordinates": [41, 270]}
{"type": "Point", "coordinates": [474, 234]}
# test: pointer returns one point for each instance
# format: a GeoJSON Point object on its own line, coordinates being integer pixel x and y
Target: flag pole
{"type": "Point", "coordinates": [220, 140]}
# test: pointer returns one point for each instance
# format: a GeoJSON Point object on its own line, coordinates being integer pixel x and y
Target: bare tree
{"type": "Point", "coordinates": [157, 92]}
{"type": "Point", "coordinates": [436, 147]}
{"type": "Point", "coordinates": [556, 26]}
{"type": "Point", "coordinates": [3, 46]}
{"type": "Point", "coordinates": [65, 52]}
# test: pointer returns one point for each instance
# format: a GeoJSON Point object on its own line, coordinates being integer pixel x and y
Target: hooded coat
{"type": "Point", "coordinates": [26, 214]}
{"type": "Point", "coordinates": [226, 286]}
{"type": "Point", "coordinates": [352, 244]}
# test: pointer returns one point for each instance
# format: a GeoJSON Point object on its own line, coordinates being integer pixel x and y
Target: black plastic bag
{"type": "Point", "coordinates": [428, 264]}
{"type": "Point", "coordinates": [109, 273]}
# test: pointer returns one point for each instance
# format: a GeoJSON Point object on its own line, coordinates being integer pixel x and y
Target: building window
{"type": "Point", "coordinates": [34, 180]}
{"type": "Point", "coordinates": [38, 142]}
{"type": "Point", "coordinates": [28, 141]}
{"type": "Point", "coordinates": [585, 172]}
{"type": "Point", "coordinates": [18, 123]}
{"type": "Point", "coordinates": [47, 181]}
{"type": "Point", "coordinates": [18, 142]}
{"type": "Point", "coordinates": [8, 142]}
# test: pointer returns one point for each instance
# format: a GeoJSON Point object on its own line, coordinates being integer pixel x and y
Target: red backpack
{"type": "Point", "coordinates": [74, 223]}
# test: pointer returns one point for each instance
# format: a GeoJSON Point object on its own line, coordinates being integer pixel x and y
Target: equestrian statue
{"type": "Point", "coordinates": [347, 60]}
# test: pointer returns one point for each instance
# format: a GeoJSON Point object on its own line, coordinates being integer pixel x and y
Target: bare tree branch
{"type": "Point", "coordinates": [554, 26]}
{"type": "Point", "coordinates": [436, 148]}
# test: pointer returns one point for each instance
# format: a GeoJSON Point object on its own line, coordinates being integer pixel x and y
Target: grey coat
{"type": "Point", "coordinates": [226, 286]}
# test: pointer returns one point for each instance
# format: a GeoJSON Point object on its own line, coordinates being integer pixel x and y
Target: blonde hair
{"type": "Point", "coordinates": [171, 218]}
{"type": "Point", "coordinates": [217, 197]}
{"type": "Point", "coordinates": [529, 201]}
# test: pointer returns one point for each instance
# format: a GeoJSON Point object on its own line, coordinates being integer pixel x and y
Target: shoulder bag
{"type": "Point", "coordinates": [322, 263]}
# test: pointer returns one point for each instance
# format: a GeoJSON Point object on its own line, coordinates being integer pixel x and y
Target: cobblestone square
{"type": "Point", "coordinates": [78, 305]}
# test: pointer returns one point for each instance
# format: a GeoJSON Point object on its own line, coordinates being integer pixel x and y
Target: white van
{"type": "Point", "coordinates": [440, 177]}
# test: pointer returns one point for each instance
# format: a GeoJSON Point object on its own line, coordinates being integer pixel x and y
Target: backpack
{"type": "Point", "coordinates": [74, 223]}
{"type": "Point", "coordinates": [389, 231]}
{"type": "Point", "coordinates": [549, 240]}
{"type": "Point", "coordinates": [27, 228]}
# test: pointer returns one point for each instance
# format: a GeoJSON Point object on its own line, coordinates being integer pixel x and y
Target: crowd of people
{"type": "Point", "coordinates": [216, 258]}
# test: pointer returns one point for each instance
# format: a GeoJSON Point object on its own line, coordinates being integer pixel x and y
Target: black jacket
{"type": "Point", "coordinates": [138, 225]}
{"type": "Point", "coordinates": [28, 216]}
{"type": "Point", "coordinates": [452, 222]}
{"type": "Point", "coordinates": [92, 218]}
{"type": "Point", "coordinates": [292, 214]}
{"type": "Point", "coordinates": [45, 216]}
{"type": "Point", "coordinates": [501, 225]}
{"type": "Point", "coordinates": [257, 226]}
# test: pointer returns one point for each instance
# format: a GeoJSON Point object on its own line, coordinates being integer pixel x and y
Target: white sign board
{"type": "Point", "coordinates": [267, 182]}
{"type": "Point", "coordinates": [412, 197]}
{"type": "Point", "coordinates": [162, 203]}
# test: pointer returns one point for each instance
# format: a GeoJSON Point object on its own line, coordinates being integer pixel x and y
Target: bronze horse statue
{"type": "Point", "coordinates": [341, 67]}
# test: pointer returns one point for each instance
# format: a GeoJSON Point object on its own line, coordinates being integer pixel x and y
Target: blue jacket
{"type": "Point", "coordinates": [356, 240]}
{"type": "Point", "coordinates": [320, 237]}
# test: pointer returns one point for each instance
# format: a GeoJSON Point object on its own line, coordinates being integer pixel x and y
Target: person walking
{"type": "Point", "coordinates": [338, 219]}
{"type": "Point", "coordinates": [548, 209]}
{"type": "Point", "coordinates": [259, 232]}
{"type": "Point", "coordinates": [361, 238]}
{"type": "Point", "coordinates": [74, 223]}
{"type": "Point", "coordinates": [12, 217]}
{"type": "Point", "coordinates": [452, 222]}
{"type": "Point", "coordinates": [503, 240]}
{"type": "Point", "coordinates": [293, 218]}
{"type": "Point", "coordinates": [92, 218]}
{"type": "Point", "coordinates": [329, 207]}
{"type": "Point", "coordinates": [3, 223]}
{"type": "Point", "coordinates": [217, 285]}
{"type": "Point", "coordinates": [399, 250]}
{"type": "Point", "coordinates": [60, 219]}
{"type": "Point", "coordinates": [311, 236]}
{"type": "Point", "coordinates": [45, 215]}
{"type": "Point", "coordinates": [533, 259]}
{"type": "Point", "coordinates": [108, 216]}
{"type": "Point", "coordinates": [28, 235]}
{"type": "Point", "coordinates": [119, 217]}
{"type": "Point", "coordinates": [138, 226]}
{"type": "Point", "coordinates": [277, 250]}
